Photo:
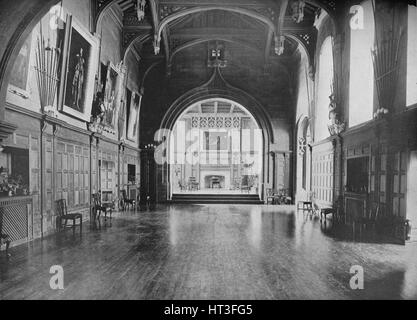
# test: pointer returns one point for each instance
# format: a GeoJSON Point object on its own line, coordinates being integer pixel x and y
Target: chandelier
{"type": "Point", "coordinates": [140, 8]}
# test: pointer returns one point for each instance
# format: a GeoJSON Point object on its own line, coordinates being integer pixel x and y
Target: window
{"type": "Point", "coordinates": [325, 82]}
{"type": "Point", "coordinates": [361, 98]}
{"type": "Point", "coordinates": [412, 56]}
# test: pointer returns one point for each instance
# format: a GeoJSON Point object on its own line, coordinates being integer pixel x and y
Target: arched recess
{"type": "Point", "coordinates": [251, 145]}
{"type": "Point", "coordinates": [141, 39]}
{"type": "Point", "coordinates": [208, 92]}
{"type": "Point", "coordinates": [186, 12]}
{"type": "Point", "coordinates": [303, 159]}
{"type": "Point", "coordinates": [324, 89]}
{"type": "Point", "coordinates": [99, 15]}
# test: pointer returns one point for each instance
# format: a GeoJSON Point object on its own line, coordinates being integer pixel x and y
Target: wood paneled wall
{"type": "Point", "coordinates": [64, 164]}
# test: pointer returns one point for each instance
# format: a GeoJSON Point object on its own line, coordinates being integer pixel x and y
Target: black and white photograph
{"type": "Point", "coordinates": [207, 159]}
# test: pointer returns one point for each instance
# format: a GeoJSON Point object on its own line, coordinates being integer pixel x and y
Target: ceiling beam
{"type": "Point", "coordinates": [230, 33]}
{"type": "Point", "coordinates": [193, 43]}
{"type": "Point", "coordinates": [214, 32]}
{"type": "Point", "coordinates": [165, 22]}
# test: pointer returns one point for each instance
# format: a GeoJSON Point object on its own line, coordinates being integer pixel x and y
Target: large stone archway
{"type": "Point", "coordinates": [218, 88]}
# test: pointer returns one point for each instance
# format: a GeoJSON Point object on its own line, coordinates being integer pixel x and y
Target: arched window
{"type": "Point", "coordinates": [412, 56]}
{"type": "Point", "coordinates": [324, 89]}
{"type": "Point", "coordinates": [361, 97]}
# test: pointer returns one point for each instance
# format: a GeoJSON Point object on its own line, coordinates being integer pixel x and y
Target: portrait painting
{"type": "Point", "coordinates": [133, 118]}
{"type": "Point", "coordinates": [80, 61]}
{"type": "Point", "coordinates": [111, 97]}
{"type": "Point", "coordinates": [20, 73]}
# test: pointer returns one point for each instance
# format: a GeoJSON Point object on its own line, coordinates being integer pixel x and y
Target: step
{"type": "Point", "coordinates": [213, 199]}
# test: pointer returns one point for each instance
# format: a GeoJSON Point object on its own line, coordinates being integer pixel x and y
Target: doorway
{"type": "Point", "coordinates": [412, 193]}
{"type": "Point", "coordinates": [216, 147]}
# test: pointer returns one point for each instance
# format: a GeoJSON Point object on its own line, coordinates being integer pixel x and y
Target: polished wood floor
{"type": "Point", "coordinates": [210, 252]}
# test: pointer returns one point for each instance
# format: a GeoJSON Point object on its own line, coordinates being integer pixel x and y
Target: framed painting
{"type": "Point", "coordinates": [20, 74]}
{"type": "Point", "coordinates": [80, 62]}
{"type": "Point", "coordinates": [133, 117]}
{"type": "Point", "coordinates": [111, 97]}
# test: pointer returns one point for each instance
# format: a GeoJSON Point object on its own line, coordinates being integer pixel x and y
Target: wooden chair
{"type": "Point", "coordinates": [193, 184]}
{"type": "Point", "coordinates": [368, 220]}
{"type": "Point", "coordinates": [63, 216]}
{"type": "Point", "coordinates": [305, 206]}
{"type": "Point", "coordinates": [99, 207]}
{"type": "Point", "coordinates": [126, 201]}
{"type": "Point", "coordinates": [4, 238]}
{"type": "Point", "coordinates": [283, 196]}
{"type": "Point", "coordinates": [324, 212]}
{"type": "Point", "coordinates": [270, 197]}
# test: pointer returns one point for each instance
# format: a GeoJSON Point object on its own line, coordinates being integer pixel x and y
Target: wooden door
{"type": "Point", "coordinates": [399, 184]}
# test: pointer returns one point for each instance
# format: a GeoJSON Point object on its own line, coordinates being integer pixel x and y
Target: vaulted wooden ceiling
{"type": "Point", "coordinates": [172, 25]}
{"type": "Point", "coordinates": [177, 34]}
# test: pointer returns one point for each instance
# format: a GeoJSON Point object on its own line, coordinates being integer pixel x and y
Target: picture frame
{"type": "Point", "coordinates": [20, 75]}
{"type": "Point", "coordinates": [112, 97]}
{"type": "Point", "coordinates": [132, 127]}
{"type": "Point", "coordinates": [80, 59]}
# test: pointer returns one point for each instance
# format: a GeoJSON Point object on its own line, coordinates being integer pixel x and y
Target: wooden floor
{"type": "Point", "coordinates": [210, 252]}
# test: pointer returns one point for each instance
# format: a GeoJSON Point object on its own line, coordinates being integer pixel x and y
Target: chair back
{"type": "Point", "coordinates": [97, 199]}
{"type": "Point", "coordinates": [124, 194]}
{"type": "Point", "coordinates": [61, 207]}
{"type": "Point", "coordinates": [106, 197]}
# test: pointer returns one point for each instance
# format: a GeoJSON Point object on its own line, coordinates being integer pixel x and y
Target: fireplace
{"type": "Point", "coordinates": [215, 179]}
{"type": "Point", "coordinates": [214, 182]}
